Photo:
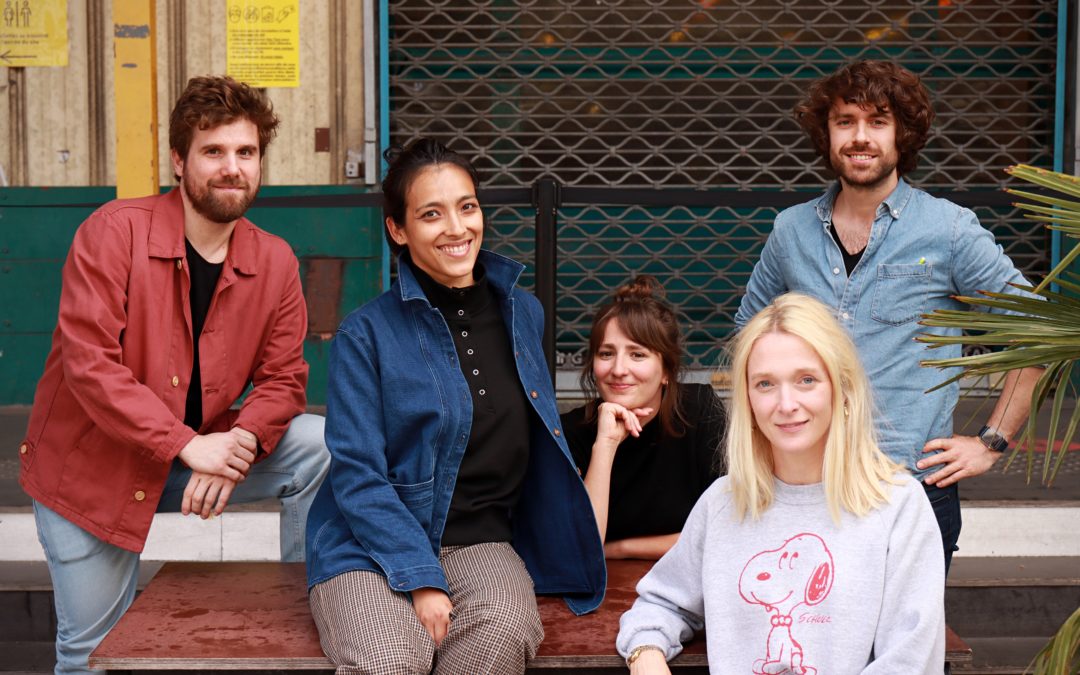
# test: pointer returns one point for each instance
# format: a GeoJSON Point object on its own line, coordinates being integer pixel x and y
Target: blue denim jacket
{"type": "Point", "coordinates": [398, 418]}
{"type": "Point", "coordinates": [922, 251]}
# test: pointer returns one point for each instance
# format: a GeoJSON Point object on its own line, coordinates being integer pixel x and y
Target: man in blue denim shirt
{"type": "Point", "coordinates": [882, 253]}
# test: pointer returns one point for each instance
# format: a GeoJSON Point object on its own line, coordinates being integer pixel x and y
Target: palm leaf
{"type": "Point", "coordinates": [1061, 655]}
{"type": "Point", "coordinates": [1064, 207]}
{"type": "Point", "coordinates": [1043, 330]}
{"type": "Point", "coordinates": [1054, 180]}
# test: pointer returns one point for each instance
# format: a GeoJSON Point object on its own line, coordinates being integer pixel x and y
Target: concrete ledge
{"type": "Point", "coordinates": [1047, 571]}
{"type": "Point", "coordinates": [1036, 530]}
{"type": "Point", "coordinates": [243, 535]}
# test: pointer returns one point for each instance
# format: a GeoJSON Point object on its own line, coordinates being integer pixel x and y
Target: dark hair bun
{"type": "Point", "coordinates": [641, 287]}
{"type": "Point", "coordinates": [392, 153]}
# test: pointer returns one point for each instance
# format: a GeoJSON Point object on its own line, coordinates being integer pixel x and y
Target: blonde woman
{"type": "Point", "coordinates": [816, 553]}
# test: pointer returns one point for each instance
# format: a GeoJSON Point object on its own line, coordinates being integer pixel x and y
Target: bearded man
{"type": "Point", "coordinates": [172, 307]}
{"type": "Point", "coordinates": [882, 253]}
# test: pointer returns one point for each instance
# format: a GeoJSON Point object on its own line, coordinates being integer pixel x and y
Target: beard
{"type": "Point", "coordinates": [865, 179]}
{"type": "Point", "coordinates": [215, 207]}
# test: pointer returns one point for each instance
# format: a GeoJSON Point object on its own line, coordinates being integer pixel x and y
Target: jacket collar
{"type": "Point", "coordinates": [502, 275]}
{"type": "Point", "coordinates": [166, 238]}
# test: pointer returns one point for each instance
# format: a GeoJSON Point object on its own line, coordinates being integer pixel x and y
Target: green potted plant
{"type": "Point", "coordinates": [1042, 331]}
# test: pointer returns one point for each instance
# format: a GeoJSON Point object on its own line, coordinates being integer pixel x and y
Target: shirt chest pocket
{"type": "Point", "coordinates": [900, 293]}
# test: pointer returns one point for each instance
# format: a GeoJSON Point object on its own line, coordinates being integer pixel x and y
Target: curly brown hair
{"type": "Point", "coordinates": [211, 101]}
{"type": "Point", "coordinates": [882, 84]}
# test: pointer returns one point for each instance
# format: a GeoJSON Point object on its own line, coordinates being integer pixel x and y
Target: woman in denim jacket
{"type": "Point", "coordinates": [451, 490]}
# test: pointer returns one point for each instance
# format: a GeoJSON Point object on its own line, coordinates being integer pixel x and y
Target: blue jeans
{"type": "Point", "coordinates": [94, 582]}
{"type": "Point", "coordinates": [946, 505]}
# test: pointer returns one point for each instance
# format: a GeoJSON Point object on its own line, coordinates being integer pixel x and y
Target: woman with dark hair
{"type": "Point", "coordinates": [646, 444]}
{"type": "Point", "coordinates": [451, 490]}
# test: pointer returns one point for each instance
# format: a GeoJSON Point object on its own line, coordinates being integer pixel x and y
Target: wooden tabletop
{"type": "Point", "coordinates": [217, 616]}
{"type": "Point", "coordinates": [251, 616]}
{"type": "Point", "coordinates": [255, 616]}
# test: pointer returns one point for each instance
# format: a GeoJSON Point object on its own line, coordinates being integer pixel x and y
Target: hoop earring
{"type": "Point", "coordinates": [846, 411]}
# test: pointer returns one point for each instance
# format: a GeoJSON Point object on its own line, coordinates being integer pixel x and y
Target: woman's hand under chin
{"type": "Point", "coordinates": [614, 423]}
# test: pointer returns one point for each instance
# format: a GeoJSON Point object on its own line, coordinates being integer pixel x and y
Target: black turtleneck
{"type": "Point", "coordinates": [493, 468]}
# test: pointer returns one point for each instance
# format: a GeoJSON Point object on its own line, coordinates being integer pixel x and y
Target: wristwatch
{"type": "Point", "coordinates": [993, 439]}
{"type": "Point", "coordinates": [638, 651]}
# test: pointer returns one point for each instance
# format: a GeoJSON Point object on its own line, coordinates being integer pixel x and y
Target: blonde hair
{"type": "Point", "coordinates": [856, 473]}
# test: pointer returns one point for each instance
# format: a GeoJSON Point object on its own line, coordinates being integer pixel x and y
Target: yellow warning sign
{"type": "Point", "coordinates": [33, 33]}
{"type": "Point", "coordinates": [262, 44]}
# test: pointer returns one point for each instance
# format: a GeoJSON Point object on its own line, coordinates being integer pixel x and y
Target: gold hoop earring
{"type": "Point", "coordinates": [846, 411]}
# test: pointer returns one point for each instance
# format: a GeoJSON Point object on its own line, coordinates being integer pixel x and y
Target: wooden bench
{"type": "Point", "coordinates": [255, 616]}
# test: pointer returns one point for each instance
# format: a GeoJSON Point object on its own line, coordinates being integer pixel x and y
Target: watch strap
{"type": "Point", "coordinates": [993, 439]}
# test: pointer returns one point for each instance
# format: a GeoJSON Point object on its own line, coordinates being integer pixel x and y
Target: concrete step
{"type": "Point", "coordinates": [1006, 609]}
{"type": "Point", "coordinates": [27, 618]}
{"type": "Point", "coordinates": [999, 528]}
{"type": "Point", "coordinates": [1011, 597]}
{"type": "Point", "coordinates": [991, 529]}
{"type": "Point", "coordinates": [997, 572]}
{"type": "Point", "coordinates": [27, 657]}
{"type": "Point", "coordinates": [249, 534]}
{"type": "Point", "coordinates": [1000, 655]}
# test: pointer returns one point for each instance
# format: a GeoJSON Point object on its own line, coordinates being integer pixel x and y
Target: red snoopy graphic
{"type": "Point", "coordinates": [800, 572]}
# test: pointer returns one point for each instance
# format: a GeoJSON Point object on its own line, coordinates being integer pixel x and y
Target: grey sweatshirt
{"type": "Point", "coordinates": [795, 593]}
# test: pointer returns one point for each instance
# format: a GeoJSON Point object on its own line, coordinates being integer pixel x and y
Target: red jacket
{"type": "Point", "coordinates": [108, 413]}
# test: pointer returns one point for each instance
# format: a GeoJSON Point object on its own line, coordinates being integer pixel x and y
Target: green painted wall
{"type": "Point", "coordinates": [38, 224]}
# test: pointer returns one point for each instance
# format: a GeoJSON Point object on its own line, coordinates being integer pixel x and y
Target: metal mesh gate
{"type": "Point", "coordinates": [697, 94]}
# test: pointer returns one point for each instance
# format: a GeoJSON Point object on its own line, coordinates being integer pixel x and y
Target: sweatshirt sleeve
{"type": "Point", "coordinates": [910, 636]}
{"type": "Point", "coordinates": [670, 607]}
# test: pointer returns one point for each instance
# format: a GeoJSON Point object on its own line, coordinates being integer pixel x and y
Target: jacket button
{"type": "Point", "coordinates": [23, 449]}
{"type": "Point", "coordinates": [179, 264]}
{"type": "Point", "coordinates": [175, 380]}
{"type": "Point", "coordinates": [139, 495]}
{"type": "Point", "coordinates": [556, 432]}
{"type": "Point", "coordinates": [533, 394]}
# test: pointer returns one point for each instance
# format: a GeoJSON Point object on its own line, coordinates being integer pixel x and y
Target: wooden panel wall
{"type": "Point", "coordinates": [57, 125]}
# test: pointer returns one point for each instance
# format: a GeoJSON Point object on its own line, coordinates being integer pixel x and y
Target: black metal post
{"type": "Point", "coordinates": [545, 199]}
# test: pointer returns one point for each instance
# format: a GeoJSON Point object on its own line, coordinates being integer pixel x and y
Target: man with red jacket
{"type": "Point", "coordinates": [172, 307]}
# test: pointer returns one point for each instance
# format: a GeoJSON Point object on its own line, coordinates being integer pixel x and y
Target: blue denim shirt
{"type": "Point", "coordinates": [922, 251]}
{"type": "Point", "coordinates": [398, 418]}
